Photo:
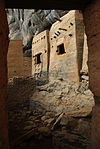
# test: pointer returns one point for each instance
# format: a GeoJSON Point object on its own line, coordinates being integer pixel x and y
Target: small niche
{"type": "Point", "coordinates": [71, 23]}
{"type": "Point", "coordinates": [38, 58]}
{"type": "Point", "coordinates": [70, 35]}
{"type": "Point", "coordinates": [60, 49]}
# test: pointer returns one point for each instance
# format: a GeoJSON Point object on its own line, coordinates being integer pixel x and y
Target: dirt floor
{"type": "Point", "coordinates": [33, 124]}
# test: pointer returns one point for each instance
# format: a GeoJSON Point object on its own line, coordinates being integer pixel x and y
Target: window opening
{"type": "Point", "coordinates": [60, 49]}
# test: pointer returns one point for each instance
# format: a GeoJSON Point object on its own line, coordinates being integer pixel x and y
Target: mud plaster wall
{"type": "Point", "coordinates": [15, 59]}
{"type": "Point", "coordinates": [85, 55]}
{"type": "Point", "coordinates": [79, 31]}
{"type": "Point", "coordinates": [66, 31]}
{"type": "Point", "coordinates": [27, 61]}
{"type": "Point", "coordinates": [40, 45]}
{"type": "Point", "coordinates": [3, 78]}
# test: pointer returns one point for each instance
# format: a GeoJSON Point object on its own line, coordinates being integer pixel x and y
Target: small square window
{"type": "Point", "coordinates": [60, 49]}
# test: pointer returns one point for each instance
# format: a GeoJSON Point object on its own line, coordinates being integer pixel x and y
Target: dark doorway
{"type": "Point", "coordinates": [38, 58]}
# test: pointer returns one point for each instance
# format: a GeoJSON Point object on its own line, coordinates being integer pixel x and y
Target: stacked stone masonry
{"type": "Point", "coordinates": [15, 59]}
{"type": "Point", "coordinates": [27, 63]}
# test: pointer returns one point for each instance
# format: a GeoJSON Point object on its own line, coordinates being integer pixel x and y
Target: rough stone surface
{"type": "Point", "coordinates": [31, 120]}
{"type": "Point", "coordinates": [40, 55]}
{"type": "Point", "coordinates": [4, 41]}
{"type": "Point", "coordinates": [92, 19]}
{"type": "Point", "coordinates": [27, 62]}
{"type": "Point", "coordinates": [15, 59]}
{"type": "Point", "coordinates": [69, 33]}
{"type": "Point", "coordinates": [85, 55]}
{"type": "Point", "coordinates": [92, 31]}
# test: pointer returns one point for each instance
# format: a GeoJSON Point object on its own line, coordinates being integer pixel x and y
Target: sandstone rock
{"type": "Point", "coordinates": [51, 114]}
{"type": "Point", "coordinates": [57, 121]}
{"type": "Point", "coordinates": [43, 118]}
{"type": "Point", "coordinates": [81, 112]}
{"type": "Point", "coordinates": [28, 127]}
{"type": "Point", "coordinates": [84, 77]}
{"type": "Point", "coordinates": [44, 131]}
{"type": "Point", "coordinates": [49, 121]}
{"type": "Point", "coordinates": [64, 121]}
{"type": "Point", "coordinates": [29, 122]}
{"type": "Point", "coordinates": [88, 92]}
{"type": "Point", "coordinates": [31, 118]}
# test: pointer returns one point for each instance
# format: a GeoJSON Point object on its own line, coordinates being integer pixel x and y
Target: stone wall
{"type": "Point", "coordinates": [40, 50]}
{"type": "Point", "coordinates": [3, 78]}
{"type": "Point", "coordinates": [60, 49]}
{"type": "Point", "coordinates": [27, 61]}
{"type": "Point", "coordinates": [66, 34]}
{"type": "Point", "coordinates": [92, 16]}
{"type": "Point", "coordinates": [15, 59]}
{"type": "Point", "coordinates": [92, 27]}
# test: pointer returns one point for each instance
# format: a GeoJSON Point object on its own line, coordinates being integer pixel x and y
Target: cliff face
{"type": "Point", "coordinates": [25, 23]}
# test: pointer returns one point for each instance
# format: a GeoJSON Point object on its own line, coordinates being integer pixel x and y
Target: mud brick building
{"type": "Point", "coordinates": [91, 15]}
{"type": "Point", "coordinates": [66, 47]}
{"type": "Point", "coordinates": [27, 64]}
{"type": "Point", "coordinates": [15, 59]}
{"type": "Point", "coordinates": [40, 55]}
{"type": "Point", "coordinates": [58, 52]}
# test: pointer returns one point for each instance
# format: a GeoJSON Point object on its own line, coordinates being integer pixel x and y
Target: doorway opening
{"type": "Point", "coordinates": [38, 58]}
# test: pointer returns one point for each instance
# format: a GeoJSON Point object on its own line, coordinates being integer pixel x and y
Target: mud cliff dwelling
{"type": "Point", "coordinates": [50, 74]}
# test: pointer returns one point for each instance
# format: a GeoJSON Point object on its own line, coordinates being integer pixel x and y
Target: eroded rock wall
{"type": "Point", "coordinates": [92, 27]}
{"type": "Point", "coordinates": [3, 78]}
{"type": "Point", "coordinates": [25, 23]}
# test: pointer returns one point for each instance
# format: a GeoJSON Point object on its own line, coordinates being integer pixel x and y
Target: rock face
{"type": "Point", "coordinates": [3, 78]}
{"type": "Point", "coordinates": [24, 23]}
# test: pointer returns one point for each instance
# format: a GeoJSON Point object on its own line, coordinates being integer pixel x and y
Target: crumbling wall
{"type": "Point", "coordinates": [27, 62]}
{"type": "Point", "coordinates": [40, 50]}
{"type": "Point", "coordinates": [3, 78]}
{"type": "Point", "coordinates": [15, 59]}
{"type": "Point", "coordinates": [64, 35]}
{"type": "Point", "coordinates": [60, 49]}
